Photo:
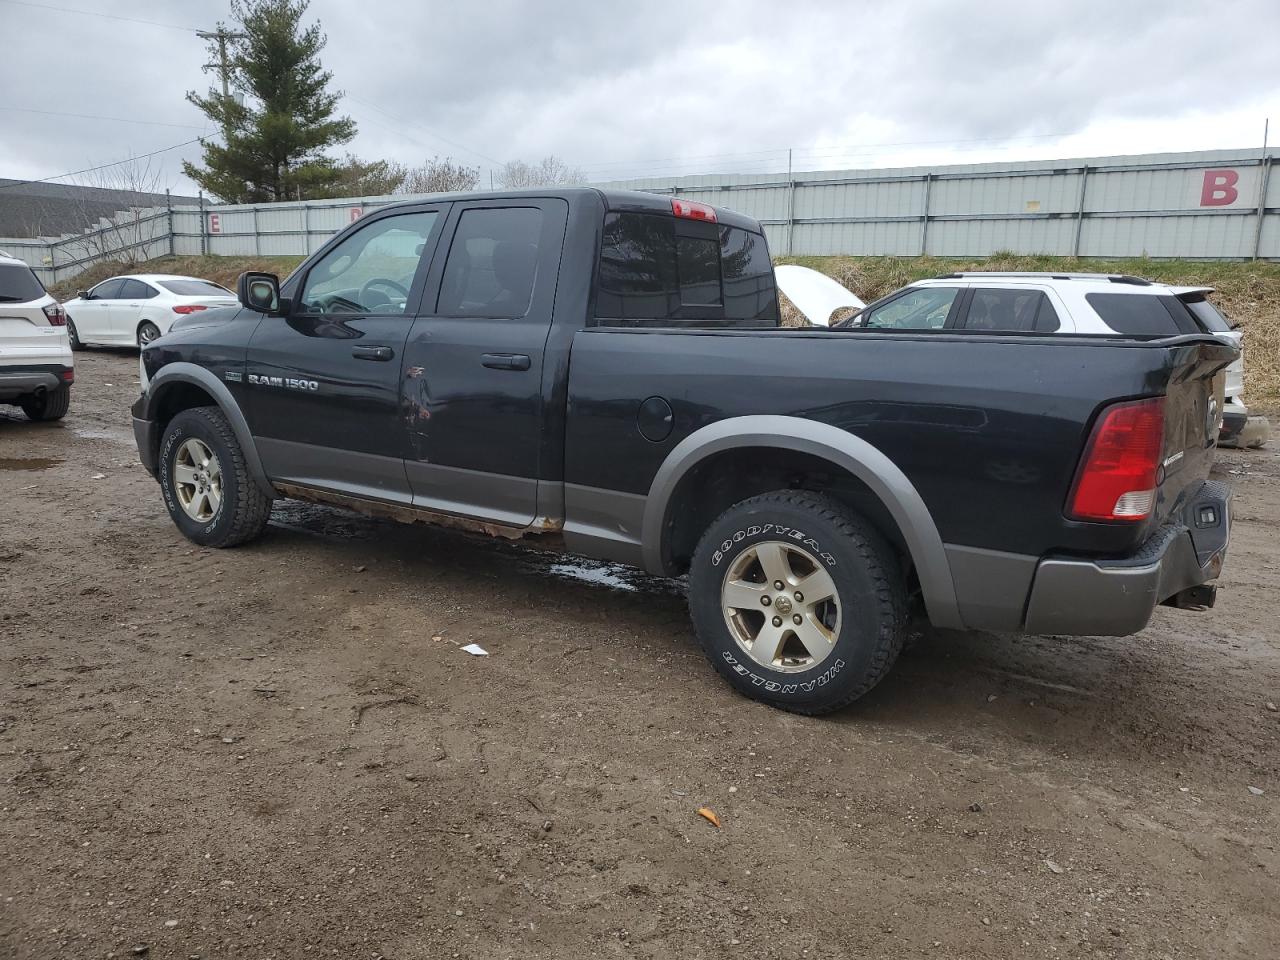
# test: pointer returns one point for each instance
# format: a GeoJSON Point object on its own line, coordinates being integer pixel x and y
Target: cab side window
{"type": "Point", "coordinates": [107, 290]}
{"type": "Point", "coordinates": [1002, 310]}
{"type": "Point", "coordinates": [924, 308]}
{"type": "Point", "coordinates": [136, 290]}
{"type": "Point", "coordinates": [492, 264]}
{"type": "Point", "coordinates": [372, 270]}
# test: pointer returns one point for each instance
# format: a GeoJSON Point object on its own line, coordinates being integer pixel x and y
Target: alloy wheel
{"type": "Point", "coordinates": [197, 479]}
{"type": "Point", "coordinates": [781, 606]}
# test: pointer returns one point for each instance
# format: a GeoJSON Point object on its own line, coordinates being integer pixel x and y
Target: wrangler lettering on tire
{"type": "Point", "coordinates": [798, 601]}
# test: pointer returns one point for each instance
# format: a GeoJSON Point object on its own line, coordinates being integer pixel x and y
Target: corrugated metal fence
{"type": "Point", "coordinates": [1210, 205]}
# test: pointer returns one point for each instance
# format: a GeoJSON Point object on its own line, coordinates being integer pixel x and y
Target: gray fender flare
{"type": "Point", "coordinates": [181, 372]}
{"type": "Point", "coordinates": [840, 448]}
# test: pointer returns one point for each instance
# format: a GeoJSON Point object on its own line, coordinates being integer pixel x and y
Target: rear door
{"type": "Point", "coordinates": [324, 382]}
{"type": "Point", "coordinates": [473, 373]}
{"type": "Point", "coordinates": [126, 311]}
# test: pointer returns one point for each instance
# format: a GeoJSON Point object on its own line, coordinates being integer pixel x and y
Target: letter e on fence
{"type": "Point", "coordinates": [355, 213]}
{"type": "Point", "coordinates": [1219, 188]}
{"type": "Point", "coordinates": [215, 223]}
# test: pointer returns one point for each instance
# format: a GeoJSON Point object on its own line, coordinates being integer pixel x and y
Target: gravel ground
{"type": "Point", "coordinates": [282, 751]}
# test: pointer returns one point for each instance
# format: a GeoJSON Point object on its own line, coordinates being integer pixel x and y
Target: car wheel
{"type": "Point", "coordinates": [206, 483]}
{"type": "Point", "coordinates": [798, 601]}
{"type": "Point", "coordinates": [73, 335]}
{"type": "Point", "coordinates": [147, 332]}
{"type": "Point", "coordinates": [50, 405]}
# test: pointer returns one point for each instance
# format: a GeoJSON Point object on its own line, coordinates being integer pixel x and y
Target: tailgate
{"type": "Point", "coordinates": [1192, 419]}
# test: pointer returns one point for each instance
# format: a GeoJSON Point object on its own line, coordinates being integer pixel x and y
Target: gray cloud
{"type": "Point", "coordinates": [677, 87]}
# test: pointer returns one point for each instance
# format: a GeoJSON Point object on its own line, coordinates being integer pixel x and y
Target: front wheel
{"type": "Point", "coordinates": [207, 487]}
{"type": "Point", "coordinates": [798, 601]}
{"type": "Point", "coordinates": [73, 335]}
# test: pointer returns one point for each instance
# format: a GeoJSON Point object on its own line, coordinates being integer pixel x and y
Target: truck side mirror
{"type": "Point", "coordinates": [259, 291]}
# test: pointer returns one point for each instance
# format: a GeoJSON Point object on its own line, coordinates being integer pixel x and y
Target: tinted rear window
{"type": "Point", "coordinates": [195, 288]}
{"type": "Point", "coordinates": [18, 284]}
{"type": "Point", "coordinates": [1207, 314]}
{"type": "Point", "coordinates": [1140, 315]}
{"type": "Point", "coordinates": [656, 267]}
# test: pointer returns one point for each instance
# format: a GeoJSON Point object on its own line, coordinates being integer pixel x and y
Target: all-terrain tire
{"type": "Point", "coordinates": [868, 577]}
{"type": "Point", "coordinates": [244, 509]}
{"type": "Point", "coordinates": [50, 405]}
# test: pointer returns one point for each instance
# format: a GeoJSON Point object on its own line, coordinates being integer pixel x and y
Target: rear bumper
{"type": "Point", "coordinates": [23, 380]}
{"type": "Point", "coordinates": [1116, 598]}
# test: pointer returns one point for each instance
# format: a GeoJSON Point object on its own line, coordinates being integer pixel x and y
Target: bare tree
{"type": "Point", "coordinates": [440, 176]}
{"type": "Point", "coordinates": [548, 172]}
{"type": "Point", "coordinates": [131, 232]}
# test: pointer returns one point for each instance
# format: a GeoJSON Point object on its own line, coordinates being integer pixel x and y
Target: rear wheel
{"type": "Point", "coordinates": [147, 331]}
{"type": "Point", "coordinates": [207, 487]}
{"type": "Point", "coordinates": [798, 601]}
{"type": "Point", "coordinates": [50, 405]}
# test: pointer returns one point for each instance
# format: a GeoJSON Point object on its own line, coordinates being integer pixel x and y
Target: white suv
{"type": "Point", "coordinates": [1095, 303]}
{"type": "Point", "coordinates": [36, 370]}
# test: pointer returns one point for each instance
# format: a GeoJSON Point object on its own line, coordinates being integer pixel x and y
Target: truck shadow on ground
{"type": "Point", "coordinates": [1116, 698]}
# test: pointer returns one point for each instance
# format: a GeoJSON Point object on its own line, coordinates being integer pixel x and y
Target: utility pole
{"type": "Point", "coordinates": [222, 35]}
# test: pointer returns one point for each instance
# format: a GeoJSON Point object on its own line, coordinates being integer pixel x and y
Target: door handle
{"type": "Point", "coordinates": [372, 353]}
{"type": "Point", "coordinates": [505, 361]}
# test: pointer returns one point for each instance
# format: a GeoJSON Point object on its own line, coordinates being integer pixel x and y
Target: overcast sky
{"type": "Point", "coordinates": [666, 88]}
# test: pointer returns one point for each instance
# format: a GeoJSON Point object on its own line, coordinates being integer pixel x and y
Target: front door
{"type": "Point", "coordinates": [92, 315]}
{"type": "Point", "coordinates": [324, 382]}
{"type": "Point", "coordinates": [473, 370]}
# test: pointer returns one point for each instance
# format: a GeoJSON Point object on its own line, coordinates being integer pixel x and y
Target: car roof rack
{"type": "Point", "coordinates": [1050, 275]}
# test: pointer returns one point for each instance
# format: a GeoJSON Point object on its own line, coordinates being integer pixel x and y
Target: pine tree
{"type": "Point", "coordinates": [275, 141]}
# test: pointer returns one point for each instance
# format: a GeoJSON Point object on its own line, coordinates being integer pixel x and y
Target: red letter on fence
{"type": "Point", "coordinates": [356, 213]}
{"type": "Point", "coordinates": [215, 223]}
{"type": "Point", "coordinates": [1219, 188]}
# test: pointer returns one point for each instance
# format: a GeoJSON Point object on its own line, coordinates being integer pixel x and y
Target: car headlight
{"type": "Point", "coordinates": [142, 373]}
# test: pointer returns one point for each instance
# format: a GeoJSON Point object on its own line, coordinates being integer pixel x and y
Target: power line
{"type": "Point", "coordinates": [94, 116]}
{"type": "Point", "coordinates": [95, 13]}
{"type": "Point", "coordinates": [103, 166]}
{"type": "Point", "coordinates": [420, 127]}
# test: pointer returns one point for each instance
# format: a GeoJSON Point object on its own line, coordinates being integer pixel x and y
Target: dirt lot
{"type": "Point", "coordinates": [282, 751]}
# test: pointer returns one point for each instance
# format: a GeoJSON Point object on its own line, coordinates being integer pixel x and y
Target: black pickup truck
{"type": "Point", "coordinates": [605, 372]}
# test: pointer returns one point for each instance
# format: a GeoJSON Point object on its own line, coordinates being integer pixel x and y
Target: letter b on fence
{"type": "Point", "coordinates": [1219, 188]}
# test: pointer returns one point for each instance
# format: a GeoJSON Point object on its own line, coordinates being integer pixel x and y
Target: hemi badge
{"type": "Point", "coordinates": [1170, 461]}
{"type": "Point", "coordinates": [233, 376]}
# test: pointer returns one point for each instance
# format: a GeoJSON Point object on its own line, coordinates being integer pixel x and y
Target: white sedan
{"type": "Point", "coordinates": [136, 309]}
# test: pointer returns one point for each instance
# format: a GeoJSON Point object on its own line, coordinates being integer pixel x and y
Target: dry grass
{"type": "Point", "coordinates": [1249, 293]}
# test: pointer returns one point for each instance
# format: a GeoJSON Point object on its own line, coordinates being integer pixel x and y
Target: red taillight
{"type": "Point", "coordinates": [1117, 479]}
{"type": "Point", "coordinates": [57, 316]}
{"type": "Point", "coordinates": [692, 210]}
{"type": "Point", "coordinates": [68, 376]}
{"type": "Point", "coordinates": [189, 307]}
